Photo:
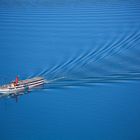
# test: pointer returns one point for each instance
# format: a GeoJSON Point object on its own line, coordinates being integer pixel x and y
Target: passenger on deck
{"type": "Point", "coordinates": [15, 83]}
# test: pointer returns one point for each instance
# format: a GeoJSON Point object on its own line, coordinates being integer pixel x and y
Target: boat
{"type": "Point", "coordinates": [22, 85]}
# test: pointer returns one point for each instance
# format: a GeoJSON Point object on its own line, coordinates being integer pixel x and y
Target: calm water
{"type": "Point", "coordinates": [93, 49]}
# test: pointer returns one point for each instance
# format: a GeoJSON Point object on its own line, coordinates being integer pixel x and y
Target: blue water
{"type": "Point", "coordinates": [93, 48]}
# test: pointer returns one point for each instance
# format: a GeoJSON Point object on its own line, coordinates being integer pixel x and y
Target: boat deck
{"type": "Point", "coordinates": [24, 82]}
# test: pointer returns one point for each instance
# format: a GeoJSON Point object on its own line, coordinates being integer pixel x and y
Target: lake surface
{"type": "Point", "coordinates": [89, 52]}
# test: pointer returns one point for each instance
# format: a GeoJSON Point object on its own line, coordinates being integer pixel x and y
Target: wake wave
{"type": "Point", "coordinates": [114, 62]}
{"type": "Point", "coordinates": [88, 81]}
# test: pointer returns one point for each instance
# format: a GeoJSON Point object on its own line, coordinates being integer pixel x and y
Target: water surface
{"type": "Point", "coordinates": [93, 47]}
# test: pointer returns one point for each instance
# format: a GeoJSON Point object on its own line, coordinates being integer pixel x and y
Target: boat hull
{"type": "Point", "coordinates": [23, 85]}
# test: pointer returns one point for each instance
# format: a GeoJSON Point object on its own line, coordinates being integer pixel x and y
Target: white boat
{"type": "Point", "coordinates": [22, 85]}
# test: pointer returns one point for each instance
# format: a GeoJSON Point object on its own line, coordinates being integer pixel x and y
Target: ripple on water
{"type": "Point", "coordinates": [98, 44]}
